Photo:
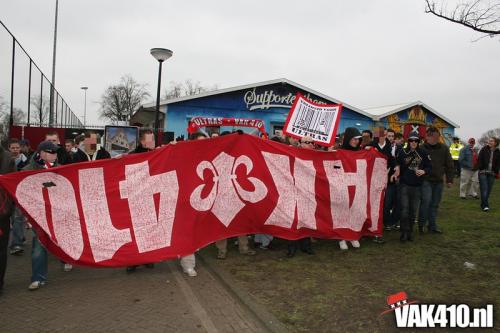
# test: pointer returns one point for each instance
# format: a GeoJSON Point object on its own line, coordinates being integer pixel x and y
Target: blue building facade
{"type": "Point", "coordinates": [269, 102]}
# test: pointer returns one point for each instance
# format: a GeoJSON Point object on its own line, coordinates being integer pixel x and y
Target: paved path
{"type": "Point", "coordinates": [162, 299]}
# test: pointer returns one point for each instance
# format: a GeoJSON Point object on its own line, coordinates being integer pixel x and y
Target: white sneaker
{"type": "Point", "coordinates": [67, 267]}
{"type": "Point", "coordinates": [355, 244]}
{"type": "Point", "coordinates": [191, 272]}
{"type": "Point", "coordinates": [485, 209]}
{"type": "Point", "coordinates": [343, 245]}
{"type": "Point", "coordinates": [36, 285]}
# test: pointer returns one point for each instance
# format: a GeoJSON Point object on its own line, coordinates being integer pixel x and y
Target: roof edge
{"type": "Point", "coordinates": [253, 85]}
{"type": "Point", "coordinates": [409, 105]}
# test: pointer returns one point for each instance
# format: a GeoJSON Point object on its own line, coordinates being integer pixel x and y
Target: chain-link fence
{"type": "Point", "coordinates": [25, 94]}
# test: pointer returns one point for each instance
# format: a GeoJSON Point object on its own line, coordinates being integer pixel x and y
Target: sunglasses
{"type": "Point", "coordinates": [414, 140]}
{"type": "Point", "coordinates": [307, 142]}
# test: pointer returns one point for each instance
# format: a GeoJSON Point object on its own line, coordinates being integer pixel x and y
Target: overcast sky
{"type": "Point", "coordinates": [364, 53]}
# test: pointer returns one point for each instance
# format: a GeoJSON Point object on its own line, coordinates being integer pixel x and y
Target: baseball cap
{"type": "Point", "coordinates": [48, 147]}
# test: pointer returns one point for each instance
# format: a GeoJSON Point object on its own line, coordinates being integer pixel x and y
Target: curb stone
{"type": "Point", "coordinates": [265, 317]}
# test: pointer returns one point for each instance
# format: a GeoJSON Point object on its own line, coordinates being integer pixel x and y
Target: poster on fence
{"type": "Point", "coordinates": [317, 121]}
{"type": "Point", "coordinates": [167, 203]}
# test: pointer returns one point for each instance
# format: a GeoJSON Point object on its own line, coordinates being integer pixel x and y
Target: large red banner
{"type": "Point", "coordinates": [170, 202]}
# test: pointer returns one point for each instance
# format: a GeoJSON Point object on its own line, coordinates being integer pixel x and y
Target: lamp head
{"type": "Point", "coordinates": [161, 54]}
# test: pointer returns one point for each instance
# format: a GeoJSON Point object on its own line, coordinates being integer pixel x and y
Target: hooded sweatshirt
{"type": "Point", "coordinates": [350, 132]}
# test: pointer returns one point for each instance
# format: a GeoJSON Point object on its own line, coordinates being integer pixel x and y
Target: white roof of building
{"type": "Point", "coordinates": [253, 85]}
{"type": "Point", "coordinates": [386, 110]}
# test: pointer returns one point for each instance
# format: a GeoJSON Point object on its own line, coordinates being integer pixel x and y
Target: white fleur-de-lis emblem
{"type": "Point", "coordinates": [223, 199]}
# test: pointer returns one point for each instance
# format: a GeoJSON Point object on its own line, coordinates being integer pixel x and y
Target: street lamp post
{"type": "Point", "coordinates": [161, 55]}
{"type": "Point", "coordinates": [85, 106]}
{"type": "Point", "coordinates": [53, 83]}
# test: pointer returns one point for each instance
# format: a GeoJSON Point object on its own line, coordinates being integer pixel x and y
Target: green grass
{"type": "Point", "coordinates": [346, 291]}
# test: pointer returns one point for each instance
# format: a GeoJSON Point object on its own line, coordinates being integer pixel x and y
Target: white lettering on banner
{"type": "Point", "coordinates": [377, 187]}
{"type": "Point", "coordinates": [223, 199]}
{"type": "Point", "coordinates": [152, 231]}
{"type": "Point", "coordinates": [293, 191]}
{"type": "Point", "coordinates": [269, 99]}
{"type": "Point", "coordinates": [343, 216]}
{"type": "Point", "coordinates": [203, 121]}
{"type": "Point", "coordinates": [104, 238]}
{"type": "Point", "coordinates": [65, 217]}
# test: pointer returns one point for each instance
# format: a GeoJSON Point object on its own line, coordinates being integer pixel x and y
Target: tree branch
{"type": "Point", "coordinates": [471, 15]}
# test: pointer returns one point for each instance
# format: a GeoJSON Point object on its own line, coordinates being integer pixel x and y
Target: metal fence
{"type": "Point", "coordinates": [26, 98]}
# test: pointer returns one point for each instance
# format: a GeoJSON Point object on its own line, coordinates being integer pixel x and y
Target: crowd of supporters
{"type": "Point", "coordinates": [417, 171]}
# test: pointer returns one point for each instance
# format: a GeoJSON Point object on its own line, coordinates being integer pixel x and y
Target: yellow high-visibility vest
{"type": "Point", "coordinates": [455, 150]}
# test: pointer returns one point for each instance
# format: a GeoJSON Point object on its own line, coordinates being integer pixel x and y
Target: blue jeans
{"type": "Point", "coordinates": [486, 182]}
{"type": "Point", "coordinates": [431, 197]}
{"type": "Point", "coordinates": [39, 261]}
{"type": "Point", "coordinates": [263, 239]}
{"type": "Point", "coordinates": [17, 231]}
{"type": "Point", "coordinates": [410, 200]}
{"type": "Point", "coordinates": [392, 204]}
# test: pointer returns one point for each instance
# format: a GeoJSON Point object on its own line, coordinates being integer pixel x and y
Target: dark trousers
{"type": "Point", "coordinates": [392, 204]}
{"type": "Point", "coordinates": [304, 244]}
{"type": "Point", "coordinates": [410, 201]}
{"type": "Point", "coordinates": [4, 243]}
{"type": "Point", "coordinates": [456, 164]}
{"type": "Point", "coordinates": [486, 182]}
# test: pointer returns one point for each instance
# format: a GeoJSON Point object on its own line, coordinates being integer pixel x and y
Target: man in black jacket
{"type": "Point", "coordinates": [146, 142]}
{"type": "Point", "coordinates": [90, 151]}
{"type": "Point", "coordinates": [384, 146]}
{"type": "Point", "coordinates": [63, 157]}
{"type": "Point", "coordinates": [414, 163]}
{"type": "Point", "coordinates": [432, 188]}
{"type": "Point", "coordinates": [392, 204]}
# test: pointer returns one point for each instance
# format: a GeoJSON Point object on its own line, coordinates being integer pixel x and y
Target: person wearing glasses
{"type": "Point", "coordinates": [305, 244]}
{"type": "Point", "coordinates": [414, 163]}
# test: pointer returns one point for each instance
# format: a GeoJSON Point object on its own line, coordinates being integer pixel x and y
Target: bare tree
{"type": "Point", "coordinates": [119, 101]}
{"type": "Point", "coordinates": [479, 15]}
{"type": "Point", "coordinates": [41, 109]}
{"type": "Point", "coordinates": [186, 88]}
{"type": "Point", "coordinates": [174, 90]}
{"type": "Point", "coordinates": [488, 134]}
{"type": "Point", "coordinates": [18, 114]}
